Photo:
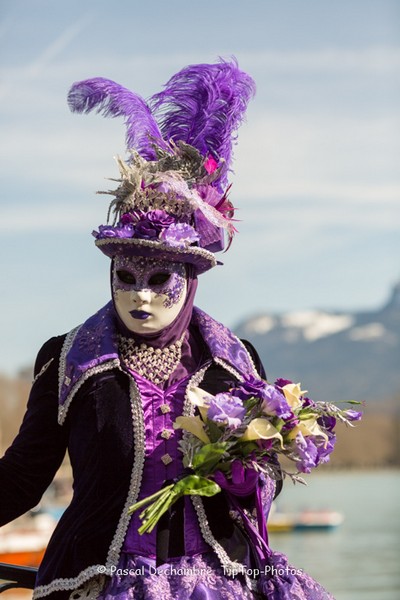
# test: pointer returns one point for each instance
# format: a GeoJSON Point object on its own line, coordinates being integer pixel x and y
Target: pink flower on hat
{"type": "Point", "coordinates": [210, 164]}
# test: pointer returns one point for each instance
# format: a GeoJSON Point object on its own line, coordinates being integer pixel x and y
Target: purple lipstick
{"type": "Point", "coordinates": [139, 314]}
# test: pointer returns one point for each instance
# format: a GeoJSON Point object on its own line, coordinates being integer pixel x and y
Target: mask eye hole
{"type": "Point", "coordinates": [159, 278]}
{"type": "Point", "coordinates": [126, 277]}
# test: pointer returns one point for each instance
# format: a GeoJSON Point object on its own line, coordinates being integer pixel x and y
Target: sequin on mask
{"type": "Point", "coordinates": [143, 269]}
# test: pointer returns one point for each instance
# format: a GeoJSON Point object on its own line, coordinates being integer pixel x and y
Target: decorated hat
{"type": "Point", "coordinates": [172, 198]}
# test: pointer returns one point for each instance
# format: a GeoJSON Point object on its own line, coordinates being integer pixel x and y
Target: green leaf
{"type": "Point", "coordinates": [251, 403]}
{"type": "Point", "coordinates": [194, 485]}
{"type": "Point", "coordinates": [206, 460]}
{"type": "Point", "coordinates": [214, 432]}
{"type": "Point", "coordinates": [304, 415]}
{"type": "Point", "coordinates": [246, 448]}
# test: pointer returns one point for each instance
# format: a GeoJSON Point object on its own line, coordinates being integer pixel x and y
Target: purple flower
{"type": "Point", "coordinates": [145, 230]}
{"type": "Point", "coordinates": [312, 451]}
{"type": "Point", "coordinates": [324, 449]}
{"type": "Point", "coordinates": [307, 452]}
{"type": "Point", "coordinates": [308, 402]}
{"type": "Point", "coordinates": [282, 382]}
{"type": "Point", "coordinates": [107, 231]}
{"type": "Point", "coordinates": [327, 422]}
{"type": "Point", "coordinates": [265, 444]}
{"type": "Point", "coordinates": [147, 225]}
{"type": "Point", "coordinates": [352, 415]}
{"type": "Point", "coordinates": [160, 219]}
{"type": "Point", "coordinates": [179, 235]}
{"type": "Point", "coordinates": [133, 216]}
{"type": "Point", "coordinates": [273, 401]}
{"type": "Point", "coordinates": [227, 409]}
{"type": "Point", "coordinates": [126, 218]}
{"type": "Point", "coordinates": [252, 387]}
{"type": "Point", "coordinates": [291, 422]}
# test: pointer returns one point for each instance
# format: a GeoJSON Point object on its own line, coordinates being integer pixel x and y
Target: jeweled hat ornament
{"type": "Point", "coordinates": [172, 197]}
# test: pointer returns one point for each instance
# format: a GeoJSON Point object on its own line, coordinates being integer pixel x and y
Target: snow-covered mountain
{"type": "Point", "coordinates": [336, 355]}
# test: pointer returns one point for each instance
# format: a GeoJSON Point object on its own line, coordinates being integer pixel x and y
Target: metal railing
{"type": "Point", "coordinates": [14, 576]}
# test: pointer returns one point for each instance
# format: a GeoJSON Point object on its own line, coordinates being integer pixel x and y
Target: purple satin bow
{"type": "Point", "coordinates": [245, 482]}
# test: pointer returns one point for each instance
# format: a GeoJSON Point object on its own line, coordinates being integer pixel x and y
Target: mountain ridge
{"type": "Point", "coordinates": [337, 355]}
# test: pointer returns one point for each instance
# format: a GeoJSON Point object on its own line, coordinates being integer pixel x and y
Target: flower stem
{"type": "Point", "coordinates": [141, 503]}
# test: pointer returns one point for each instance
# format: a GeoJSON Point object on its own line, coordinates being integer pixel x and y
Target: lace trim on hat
{"type": "Point", "coordinates": [194, 250]}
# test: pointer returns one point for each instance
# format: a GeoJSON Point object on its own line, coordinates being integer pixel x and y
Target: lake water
{"type": "Point", "coordinates": [360, 560]}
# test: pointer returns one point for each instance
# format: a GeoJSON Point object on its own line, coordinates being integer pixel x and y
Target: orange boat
{"type": "Point", "coordinates": [29, 558]}
{"type": "Point", "coordinates": [25, 545]}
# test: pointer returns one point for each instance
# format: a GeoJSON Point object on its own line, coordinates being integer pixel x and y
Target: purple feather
{"type": "Point", "coordinates": [203, 105]}
{"type": "Point", "coordinates": [113, 100]}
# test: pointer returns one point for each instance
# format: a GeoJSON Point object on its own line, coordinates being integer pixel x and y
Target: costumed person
{"type": "Point", "coordinates": [112, 390]}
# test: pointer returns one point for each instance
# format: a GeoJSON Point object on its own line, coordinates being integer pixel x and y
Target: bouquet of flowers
{"type": "Point", "coordinates": [247, 428]}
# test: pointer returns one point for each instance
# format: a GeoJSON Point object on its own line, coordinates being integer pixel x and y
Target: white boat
{"type": "Point", "coordinates": [304, 520]}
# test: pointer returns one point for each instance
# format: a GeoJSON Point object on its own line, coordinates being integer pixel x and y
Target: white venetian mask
{"type": "Point", "coordinates": [148, 293]}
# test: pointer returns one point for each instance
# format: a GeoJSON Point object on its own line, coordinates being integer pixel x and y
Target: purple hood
{"type": "Point", "coordinates": [93, 347]}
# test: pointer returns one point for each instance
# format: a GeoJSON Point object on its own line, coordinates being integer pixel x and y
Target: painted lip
{"type": "Point", "coordinates": [140, 314]}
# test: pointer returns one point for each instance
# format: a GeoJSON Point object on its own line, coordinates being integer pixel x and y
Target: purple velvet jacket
{"type": "Point", "coordinates": [81, 400]}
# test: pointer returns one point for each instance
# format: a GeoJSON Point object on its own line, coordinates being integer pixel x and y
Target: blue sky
{"type": "Point", "coordinates": [316, 177]}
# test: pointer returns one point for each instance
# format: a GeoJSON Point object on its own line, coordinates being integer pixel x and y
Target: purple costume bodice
{"type": "Point", "coordinates": [91, 351]}
{"type": "Point", "coordinates": [163, 461]}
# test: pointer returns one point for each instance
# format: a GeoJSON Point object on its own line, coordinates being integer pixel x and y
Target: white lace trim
{"type": "Point", "coordinates": [194, 381]}
{"type": "Point", "coordinates": [160, 246]}
{"type": "Point", "coordinates": [70, 583]}
{"type": "Point", "coordinates": [63, 408]}
{"type": "Point", "coordinates": [255, 372]}
{"type": "Point", "coordinates": [229, 368]}
{"type": "Point", "coordinates": [224, 559]}
{"type": "Point", "coordinates": [74, 583]}
{"type": "Point", "coordinates": [188, 411]}
{"type": "Point", "coordinates": [67, 345]}
{"type": "Point", "coordinates": [228, 565]}
{"type": "Point", "coordinates": [42, 370]}
{"type": "Point", "coordinates": [136, 476]}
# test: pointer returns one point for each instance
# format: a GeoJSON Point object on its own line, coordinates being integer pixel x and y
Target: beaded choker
{"type": "Point", "coordinates": [156, 364]}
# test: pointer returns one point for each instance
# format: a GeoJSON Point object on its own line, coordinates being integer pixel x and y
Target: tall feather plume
{"type": "Point", "coordinates": [113, 100]}
{"type": "Point", "coordinates": [203, 105]}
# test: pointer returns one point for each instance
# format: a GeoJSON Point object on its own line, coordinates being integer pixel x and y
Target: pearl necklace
{"type": "Point", "coordinates": [156, 364]}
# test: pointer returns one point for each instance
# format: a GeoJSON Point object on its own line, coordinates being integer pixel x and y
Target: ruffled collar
{"type": "Point", "coordinates": [93, 347]}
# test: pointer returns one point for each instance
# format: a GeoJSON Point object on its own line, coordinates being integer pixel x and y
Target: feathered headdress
{"type": "Point", "coordinates": [172, 193]}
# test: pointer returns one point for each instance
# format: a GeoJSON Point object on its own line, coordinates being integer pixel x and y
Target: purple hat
{"type": "Point", "coordinates": [172, 197]}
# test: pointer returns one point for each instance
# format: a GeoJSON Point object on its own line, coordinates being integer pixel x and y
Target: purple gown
{"type": "Point", "coordinates": [198, 575]}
